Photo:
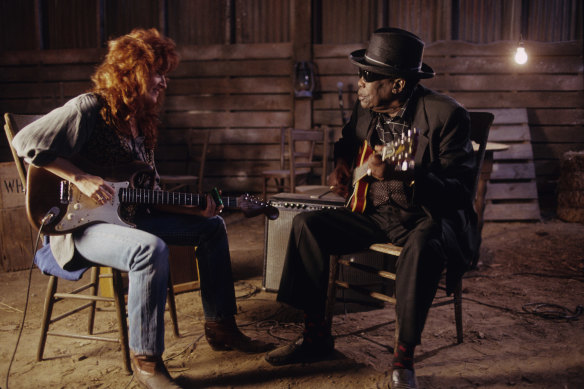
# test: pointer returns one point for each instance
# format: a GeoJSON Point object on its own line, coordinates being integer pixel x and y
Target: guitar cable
{"type": "Point", "coordinates": [49, 216]}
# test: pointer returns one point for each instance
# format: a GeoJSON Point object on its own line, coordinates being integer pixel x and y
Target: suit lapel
{"type": "Point", "coordinates": [420, 122]}
{"type": "Point", "coordinates": [363, 124]}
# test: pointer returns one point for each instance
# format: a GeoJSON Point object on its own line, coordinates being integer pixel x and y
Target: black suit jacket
{"type": "Point", "coordinates": [444, 174]}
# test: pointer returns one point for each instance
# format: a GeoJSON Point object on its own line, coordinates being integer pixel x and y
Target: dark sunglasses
{"type": "Point", "coordinates": [370, 76]}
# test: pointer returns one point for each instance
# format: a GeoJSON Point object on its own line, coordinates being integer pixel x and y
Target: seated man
{"type": "Point", "coordinates": [425, 205]}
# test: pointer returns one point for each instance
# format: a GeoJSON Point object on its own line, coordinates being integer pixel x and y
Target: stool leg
{"type": "Point", "coordinates": [120, 304]}
{"type": "Point", "coordinates": [93, 292]}
{"type": "Point", "coordinates": [48, 310]}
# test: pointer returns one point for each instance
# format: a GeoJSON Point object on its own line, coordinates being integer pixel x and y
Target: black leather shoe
{"type": "Point", "coordinates": [151, 373]}
{"type": "Point", "coordinates": [301, 351]}
{"type": "Point", "coordinates": [403, 379]}
{"type": "Point", "coordinates": [224, 335]}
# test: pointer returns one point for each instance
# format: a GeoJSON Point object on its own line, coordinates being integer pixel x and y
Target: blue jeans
{"type": "Point", "coordinates": [143, 253]}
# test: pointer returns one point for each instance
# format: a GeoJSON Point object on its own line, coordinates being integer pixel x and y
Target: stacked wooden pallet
{"type": "Point", "coordinates": [512, 191]}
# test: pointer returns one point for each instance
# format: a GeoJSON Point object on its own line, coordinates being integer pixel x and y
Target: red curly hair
{"type": "Point", "coordinates": [122, 80]}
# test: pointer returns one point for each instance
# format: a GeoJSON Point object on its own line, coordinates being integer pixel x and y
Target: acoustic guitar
{"type": "Point", "coordinates": [62, 208]}
{"type": "Point", "coordinates": [398, 153]}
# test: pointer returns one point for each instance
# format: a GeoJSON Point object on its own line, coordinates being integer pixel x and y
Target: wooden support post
{"type": "Point", "coordinates": [300, 25]}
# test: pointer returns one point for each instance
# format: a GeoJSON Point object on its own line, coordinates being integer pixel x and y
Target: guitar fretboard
{"type": "Point", "coordinates": [159, 197]}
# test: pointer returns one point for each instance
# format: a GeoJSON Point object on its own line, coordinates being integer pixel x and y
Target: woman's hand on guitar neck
{"type": "Point", "coordinates": [212, 209]}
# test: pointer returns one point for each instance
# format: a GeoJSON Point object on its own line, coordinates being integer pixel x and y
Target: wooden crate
{"type": "Point", "coordinates": [183, 268]}
{"type": "Point", "coordinates": [16, 234]}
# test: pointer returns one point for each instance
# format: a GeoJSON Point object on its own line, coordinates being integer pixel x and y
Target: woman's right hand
{"type": "Point", "coordinates": [91, 186]}
{"type": "Point", "coordinates": [94, 187]}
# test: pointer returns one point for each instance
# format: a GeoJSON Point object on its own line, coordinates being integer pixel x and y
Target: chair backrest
{"type": "Point", "coordinates": [12, 124]}
{"type": "Point", "coordinates": [301, 151]}
{"type": "Point", "coordinates": [198, 145]}
{"type": "Point", "coordinates": [480, 124]}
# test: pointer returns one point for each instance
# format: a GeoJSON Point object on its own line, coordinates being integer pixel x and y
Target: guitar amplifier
{"type": "Point", "coordinates": [277, 233]}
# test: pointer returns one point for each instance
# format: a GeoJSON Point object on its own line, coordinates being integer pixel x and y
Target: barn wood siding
{"type": "Point", "coordinates": [242, 93]}
{"type": "Point", "coordinates": [482, 76]}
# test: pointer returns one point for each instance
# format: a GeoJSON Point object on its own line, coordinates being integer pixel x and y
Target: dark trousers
{"type": "Point", "coordinates": [316, 235]}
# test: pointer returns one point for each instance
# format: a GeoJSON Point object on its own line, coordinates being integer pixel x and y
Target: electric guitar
{"type": "Point", "coordinates": [398, 153]}
{"type": "Point", "coordinates": [62, 208]}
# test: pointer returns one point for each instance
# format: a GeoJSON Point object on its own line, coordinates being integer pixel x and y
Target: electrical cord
{"type": "Point", "coordinates": [553, 311]}
{"type": "Point", "coordinates": [53, 212]}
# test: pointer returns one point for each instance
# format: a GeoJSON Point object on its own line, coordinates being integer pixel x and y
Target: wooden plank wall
{"type": "Point", "coordinates": [244, 94]}
{"type": "Point", "coordinates": [483, 76]}
{"type": "Point", "coordinates": [241, 93]}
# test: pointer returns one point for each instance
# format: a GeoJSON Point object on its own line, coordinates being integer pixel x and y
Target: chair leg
{"type": "Point", "coordinates": [331, 291]}
{"type": "Point", "coordinates": [48, 310]}
{"type": "Point", "coordinates": [120, 304]}
{"type": "Point", "coordinates": [172, 307]}
{"type": "Point", "coordinates": [458, 311]}
{"type": "Point", "coordinates": [93, 291]}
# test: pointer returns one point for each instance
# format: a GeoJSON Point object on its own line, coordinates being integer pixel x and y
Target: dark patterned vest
{"type": "Point", "coordinates": [108, 151]}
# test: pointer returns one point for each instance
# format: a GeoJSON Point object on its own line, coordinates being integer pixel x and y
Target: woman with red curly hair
{"type": "Point", "coordinates": [115, 125]}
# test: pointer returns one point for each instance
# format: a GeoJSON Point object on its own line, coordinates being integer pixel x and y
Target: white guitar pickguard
{"type": "Point", "coordinates": [83, 210]}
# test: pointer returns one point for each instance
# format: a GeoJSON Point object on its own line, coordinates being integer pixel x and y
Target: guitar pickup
{"type": "Point", "coordinates": [64, 194]}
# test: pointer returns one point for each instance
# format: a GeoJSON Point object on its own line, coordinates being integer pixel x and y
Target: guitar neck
{"type": "Point", "coordinates": [159, 197]}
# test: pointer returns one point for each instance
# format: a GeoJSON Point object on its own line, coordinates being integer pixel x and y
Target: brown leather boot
{"type": "Point", "coordinates": [224, 335]}
{"type": "Point", "coordinates": [151, 373]}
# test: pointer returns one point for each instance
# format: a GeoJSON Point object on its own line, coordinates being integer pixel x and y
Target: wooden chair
{"type": "Point", "coordinates": [197, 147]}
{"type": "Point", "coordinates": [297, 152]}
{"type": "Point", "coordinates": [480, 125]}
{"type": "Point", "coordinates": [13, 123]}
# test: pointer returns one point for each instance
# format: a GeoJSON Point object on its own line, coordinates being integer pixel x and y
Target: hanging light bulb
{"type": "Point", "coordinates": [521, 54]}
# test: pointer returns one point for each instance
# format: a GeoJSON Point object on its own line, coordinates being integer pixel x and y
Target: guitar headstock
{"type": "Point", "coordinates": [252, 206]}
{"type": "Point", "coordinates": [400, 152]}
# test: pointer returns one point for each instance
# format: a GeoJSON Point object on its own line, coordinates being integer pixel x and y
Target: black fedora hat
{"type": "Point", "coordinates": [393, 52]}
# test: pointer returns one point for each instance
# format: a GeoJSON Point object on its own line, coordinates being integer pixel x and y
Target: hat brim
{"type": "Point", "coordinates": [358, 58]}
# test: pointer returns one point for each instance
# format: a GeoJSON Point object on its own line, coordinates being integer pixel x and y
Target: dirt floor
{"type": "Point", "coordinates": [505, 343]}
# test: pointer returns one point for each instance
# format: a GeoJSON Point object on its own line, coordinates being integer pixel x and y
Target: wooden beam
{"type": "Point", "coordinates": [300, 26]}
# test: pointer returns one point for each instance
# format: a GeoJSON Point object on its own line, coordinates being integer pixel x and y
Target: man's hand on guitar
{"type": "Point", "coordinates": [340, 178]}
{"type": "Point", "coordinates": [212, 209]}
{"type": "Point", "coordinates": [376, 165]}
